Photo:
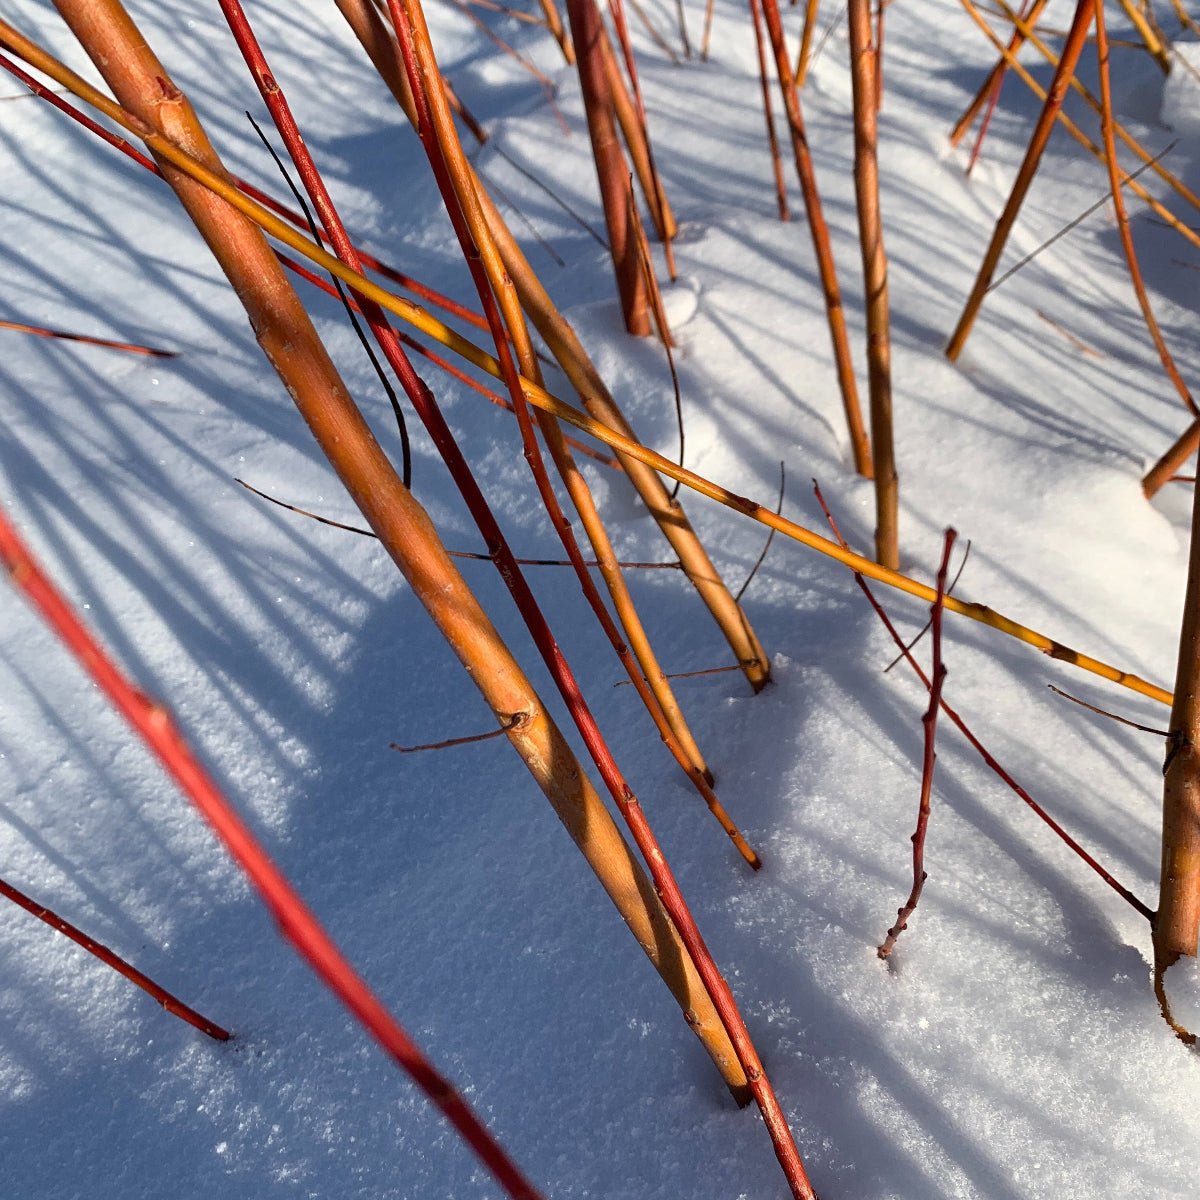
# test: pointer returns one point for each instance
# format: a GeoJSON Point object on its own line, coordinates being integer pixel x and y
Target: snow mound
{"type": "Point", "coordinates": [1182, 985]}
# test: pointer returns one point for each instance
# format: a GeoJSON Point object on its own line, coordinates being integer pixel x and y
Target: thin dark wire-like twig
{"type": "Point", "coordinates": [762, 558]}
{"type": "Point", "coordinates": [1083, 216]}
{"type": "Point", "coordinates": [1103, 712]}
{"type": "Point", "coordinates": [405, 447]}
{"type": "Point", "coordinates": [516, 166]}
{"type": "Point", "coordinates": [525, 562]}
{"type": "Point", "coordinates": [512, 204]}
{"type": "Point", "coordinates": [812, 62]}
{"type": "Point", "coordinates": [925, 628]}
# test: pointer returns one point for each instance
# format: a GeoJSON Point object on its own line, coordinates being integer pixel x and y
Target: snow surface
{"type": "Point", "coordinates": [1012, 1050]}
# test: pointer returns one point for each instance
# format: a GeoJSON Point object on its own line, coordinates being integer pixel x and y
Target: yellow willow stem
{"type": "Point", "coordinates": [416, 316]}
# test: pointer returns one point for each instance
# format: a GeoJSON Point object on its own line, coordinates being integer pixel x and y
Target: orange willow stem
{"type": "Point", "coordinates": [1173, 460]}
{"type": "Point", "coordinates": [664, 880]}
{"type": "Point", "coordinates": [863, 57]}
{"type": "Point", "coordinates": [772, 140]}
{"type": "Point", "coordinates": [292, 346]}
{"type": "Point", "coordinates": [810, 26]}
{"type": "Point", "coordinates": [12, 558]}
{"type": "Point", "coordinates": [587, 32]}
{"type": "Point", "coordinates": [626, 446]}
{"type": "Point", "coordinates": [716, 1044]}
{"type": "Point", "coordinates": [656, 197]}
{"type": "Point", "coordinates": [1177, 923]}
{"type": "Point", "coordinates": [454, 181]}
{"type": "Point", "coordinates": [806, 173]}
{"type": "Point", "coordinates": [1072, 48]}
{"type": "Point", "coordinates": [154, 724]}
{"type": "Point", "coordinates": [1135, 271]}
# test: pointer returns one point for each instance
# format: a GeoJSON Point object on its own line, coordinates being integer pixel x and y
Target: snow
{"type": "Point", "coordinates": [1012, 1050]}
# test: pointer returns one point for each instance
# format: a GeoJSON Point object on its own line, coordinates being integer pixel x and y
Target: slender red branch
{"type": "Point", "coordinates": [111, 959]}
{"type": "Point", "coordinates": [929, 720]}
{"type": "Point", "coordinates": [41, 331]}
{"type": "Point", "coordinates": [152, 721]}
{"type": "Point", "coordinates": [976, 744]}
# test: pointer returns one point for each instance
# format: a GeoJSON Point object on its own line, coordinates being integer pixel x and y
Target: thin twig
{"type": "Point", "coordinates": [513, 721]}
{"type": "Point", "coordinates": [525, 562]}
{"type": "Point", "coordinates": [129, 347]}
{"type": "Point", "coordinates": [1075, 340]}
{"type": "Point", "coordinates": [929, 721]}
{"type": "Point", "coordinates": [1103, 712]}
{"type": "Point", "coordinates": [174, 1006]}
{"type": "Point", "coordinates": [690, 674]}
{"type": "Point", "coordinates": [762, 558]}
{"type": "Point", "coordinates": [386, 383]}
{"type": "Point", "coordinates": [978, 746]}
{"type": "Point", "coordinates": [925, 628]}
{"type": "Point", "coordinates": [1083, 216]}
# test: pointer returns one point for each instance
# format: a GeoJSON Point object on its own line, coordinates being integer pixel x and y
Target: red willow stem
{"type": "Point", "coordinates": [155, 725]}
{"type": "Point", "coordinates": [171, 1003]}
{"type": "Point", "coordinates": [1114, 178]}
{"type": "Point", "coordinates": [976, 744]}
{"type": "Point", "coordinates": [106, 343]}
{"type": "Point", "coordinates": [665, 884]}
{"type": "Point", "coordinates": [772, 139]}
{"type": "Point", "coordinates": [929, 721]}
{"type": "Point", "coordinates": [119, 143]}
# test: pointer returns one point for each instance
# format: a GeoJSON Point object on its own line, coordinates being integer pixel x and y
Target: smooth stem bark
{"type": "Point", "coordinates": [1071, 51]}
{"type": "Point", "coordinates": [568, 351]}
{"type": "Point", "coordinates": [612, 175]}
{"type": "Point", "coordinates": [859, 445]}
{"type": "Point", "coordinates": [1173, 460]}
{"type": "Point", "coordinates": [291, 344]}
{"type": "Point", "coordinates": [1177, 922]}
{"type": "Point", "coordinates": [806, 38]}
{"type": "Point", "coordinates": [875, 283]}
